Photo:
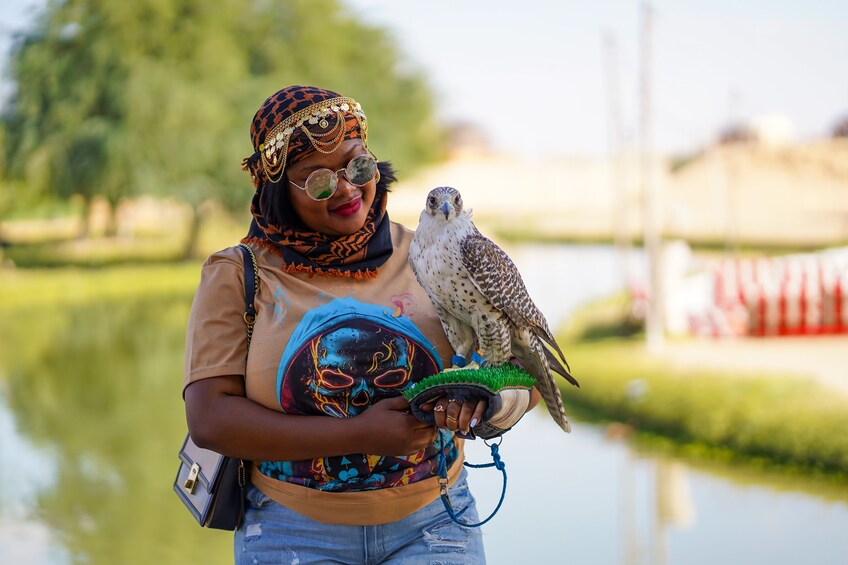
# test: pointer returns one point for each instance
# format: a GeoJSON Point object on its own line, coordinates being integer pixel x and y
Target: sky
{"type": "Point", "coordinates": [542, 64]}
{"type": "Point", "coordinates": [534, 75]}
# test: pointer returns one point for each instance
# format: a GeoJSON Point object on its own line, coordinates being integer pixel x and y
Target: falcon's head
{"type": "Point", "coordinates": [444, 200]}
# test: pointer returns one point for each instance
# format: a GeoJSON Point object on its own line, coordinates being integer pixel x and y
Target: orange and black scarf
{"type": "Point", "coordinates": [357, 255]}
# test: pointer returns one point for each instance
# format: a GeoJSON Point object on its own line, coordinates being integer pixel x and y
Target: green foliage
{"type": "Point", "coordinates": [782, 419]}
{"type": "Point", "coordinates": [156, 96]}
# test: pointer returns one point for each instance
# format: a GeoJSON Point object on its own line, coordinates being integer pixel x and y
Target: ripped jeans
{"type": "Point", "coordinates": [273, 534]}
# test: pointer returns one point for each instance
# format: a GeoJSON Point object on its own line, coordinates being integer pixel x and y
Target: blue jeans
{"type": "Point", "coordinates": [273, 534]}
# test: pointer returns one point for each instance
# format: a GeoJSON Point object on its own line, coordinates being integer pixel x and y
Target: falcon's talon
{"type": "Point", "coordinates": [472, 366]}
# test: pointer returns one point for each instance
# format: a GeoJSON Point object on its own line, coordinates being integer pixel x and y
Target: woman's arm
{"type": "Point", "coordinates": [222, 419]}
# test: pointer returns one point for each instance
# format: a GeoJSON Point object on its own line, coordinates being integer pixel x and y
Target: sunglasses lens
{"type": "Point", "coordinates": [361, 169]}
{"type": "Point", "coordinates": [321, 184]}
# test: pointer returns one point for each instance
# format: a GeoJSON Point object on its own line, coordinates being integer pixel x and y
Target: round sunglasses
{"type": "Point", "coordinates": [321, 184]}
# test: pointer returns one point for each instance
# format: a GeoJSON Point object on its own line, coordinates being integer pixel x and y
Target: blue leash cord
{"type": "Point", "coordinates": [497, 463]}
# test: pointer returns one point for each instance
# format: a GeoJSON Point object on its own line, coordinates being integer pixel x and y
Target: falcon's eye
{"type": "Point", "coordinates": [457, 200]}
{"type": "Point", "coordinates": [431, 201]}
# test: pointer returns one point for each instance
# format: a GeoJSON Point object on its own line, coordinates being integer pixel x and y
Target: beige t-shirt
{"type": "Point", "coordinates": [326, 346]}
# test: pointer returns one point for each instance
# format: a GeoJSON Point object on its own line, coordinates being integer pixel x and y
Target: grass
{"type": "Point", "coordinates": [784, 419]}
{"type": "Point", "coordinates": [770, 419]}
{"type": "Point", "coordinates": [22, 290]}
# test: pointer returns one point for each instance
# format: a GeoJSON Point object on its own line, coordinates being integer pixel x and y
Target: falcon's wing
{"type": "Point", "coordinates": [497, 278]}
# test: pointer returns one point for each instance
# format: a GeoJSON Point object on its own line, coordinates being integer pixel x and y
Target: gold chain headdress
{"type": "Point", "coordinates": [273, 150]}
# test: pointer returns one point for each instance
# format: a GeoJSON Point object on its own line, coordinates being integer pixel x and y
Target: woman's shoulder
{"type": "Point", "coordinates": [223, 265]}
{"type": "Point", "coordinates": [401, 236]}
{"type": "Point", "coordinates": [224, 256]}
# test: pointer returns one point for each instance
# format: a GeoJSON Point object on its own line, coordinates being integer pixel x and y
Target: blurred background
{"type": "Point", "coordinates": [671, 178]}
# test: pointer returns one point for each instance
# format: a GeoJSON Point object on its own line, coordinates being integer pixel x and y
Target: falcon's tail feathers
{"type": "Point", "coordinates": [533, 358]}
{"type": "Point", "coordinates": [552, 342]}
{"type": "Point", "coordinates": [557, 368]}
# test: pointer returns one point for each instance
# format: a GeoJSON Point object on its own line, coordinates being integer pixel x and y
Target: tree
{"type": "Point", "coordinates": [155, 96]}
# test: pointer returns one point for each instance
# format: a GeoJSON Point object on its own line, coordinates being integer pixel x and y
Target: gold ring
{"type": "Point", "coordinates": [451, 419]}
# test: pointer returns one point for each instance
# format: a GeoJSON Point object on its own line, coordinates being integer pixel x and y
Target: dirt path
{"type": "Point", "coordinates": [823, 359]}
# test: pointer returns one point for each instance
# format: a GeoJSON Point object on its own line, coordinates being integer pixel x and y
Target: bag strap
{"type": "Point", "coordinates": [251, 283]}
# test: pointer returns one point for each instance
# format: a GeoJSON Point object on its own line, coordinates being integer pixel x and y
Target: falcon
{"type": "Point", "coordinates": [480, 297]}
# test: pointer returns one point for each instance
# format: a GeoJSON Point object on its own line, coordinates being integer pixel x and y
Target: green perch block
{"type": "Point", "coordinates": [493, 379]}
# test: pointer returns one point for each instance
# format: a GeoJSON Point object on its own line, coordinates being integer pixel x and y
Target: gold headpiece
{"type": "Point", "coordinates": [274, 149]}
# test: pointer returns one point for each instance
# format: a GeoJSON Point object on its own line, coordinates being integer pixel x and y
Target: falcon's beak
{"type": "Point", "coordinates": [446, 209]}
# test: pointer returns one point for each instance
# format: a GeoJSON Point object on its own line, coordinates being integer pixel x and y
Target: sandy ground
{"type": "Point", "coordinates": [823, 359]}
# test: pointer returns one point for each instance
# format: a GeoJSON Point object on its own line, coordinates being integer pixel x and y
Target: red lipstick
{"type": "Point", "coordinates": [349, 208]}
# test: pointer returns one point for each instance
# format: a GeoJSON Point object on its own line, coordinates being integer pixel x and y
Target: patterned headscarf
{"type": "Point", "coordinates": [288, 127]}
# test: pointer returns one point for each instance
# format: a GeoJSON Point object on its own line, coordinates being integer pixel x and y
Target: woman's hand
{"type": "Point", "coordinates": [387, 428]}
{"type": "Point", "coordinates": [455, 415]}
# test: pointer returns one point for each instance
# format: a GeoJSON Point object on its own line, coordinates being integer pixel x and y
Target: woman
{"type": "Point", "coordinates": [342, 472]}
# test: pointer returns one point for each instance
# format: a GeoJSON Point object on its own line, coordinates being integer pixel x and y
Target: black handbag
{"type": "Point", "coordinates": [211, 485]}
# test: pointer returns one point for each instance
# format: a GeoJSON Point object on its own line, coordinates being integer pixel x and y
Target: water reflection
{"type": "Point", "coordinates": [590, 498]}
{"type": "Point", "coordinates": [103, 394]}
{"type": "Point", "coordinates": [24, 471]}
{"type": "Point", "coordinates": [562, 277]}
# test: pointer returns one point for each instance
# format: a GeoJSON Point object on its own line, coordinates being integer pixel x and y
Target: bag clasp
{"type": "Point", "coordinates": [191, 481]}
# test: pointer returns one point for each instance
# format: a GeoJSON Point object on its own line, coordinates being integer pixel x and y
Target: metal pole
{"type": "Point", "coordinates": [654, 321]}
{"type": "Point", "coordinates": [620, 229]}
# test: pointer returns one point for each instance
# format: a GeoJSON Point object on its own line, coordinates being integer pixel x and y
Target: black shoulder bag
{"type": "Point", "coordinates": [211, 485]}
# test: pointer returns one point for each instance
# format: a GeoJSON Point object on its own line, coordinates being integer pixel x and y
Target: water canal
{"type": "Point", "coordinates": [90, 421]}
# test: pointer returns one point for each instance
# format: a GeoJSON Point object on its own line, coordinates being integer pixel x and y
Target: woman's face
{"type": "Point", "coordinates": [345, 211]}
